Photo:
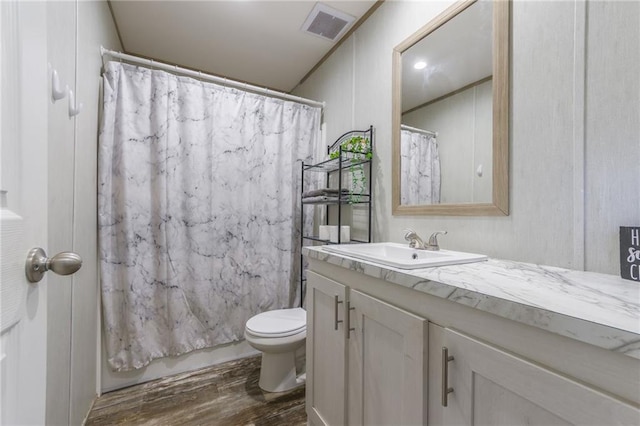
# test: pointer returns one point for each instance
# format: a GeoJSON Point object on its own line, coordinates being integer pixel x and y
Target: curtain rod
{"type": "Point", "coordinates": [200, 75]}
{"type": "Point", "coordinates": [415, 129]}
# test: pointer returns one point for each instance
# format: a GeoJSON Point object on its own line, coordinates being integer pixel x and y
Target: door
{"type": "Point", "coordinates": [23, 162]}
{"type": "Point", "coordinates": [490, 386]}
{"type": "Point", "coordinates": [387, 363]}
{"type": "Point", "coordinates": [36, 170]}
{"type": "Point", "coordinates": [326, 356]}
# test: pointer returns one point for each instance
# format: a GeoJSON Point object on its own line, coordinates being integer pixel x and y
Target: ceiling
{"type": "Point", "coordinates": [254, 41]}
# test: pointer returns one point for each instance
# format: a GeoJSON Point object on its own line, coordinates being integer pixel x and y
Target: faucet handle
{"type": "Point", "coordinates": [409, 233]}
{"type": "Point", "coordinates": [433, 239]}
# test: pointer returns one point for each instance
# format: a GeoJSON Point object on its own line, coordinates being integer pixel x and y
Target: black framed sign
{"type": "Point", "coordinates": [630, 252]}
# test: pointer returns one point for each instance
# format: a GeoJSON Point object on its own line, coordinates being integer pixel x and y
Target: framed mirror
{"type": "Point", "coordinates": [451, 114]}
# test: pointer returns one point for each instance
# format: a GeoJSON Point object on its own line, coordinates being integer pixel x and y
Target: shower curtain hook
{"type": "Point", "coordinates": [151, 63]}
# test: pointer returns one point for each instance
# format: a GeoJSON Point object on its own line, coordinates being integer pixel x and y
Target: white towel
{"type": "Point", "coordinates": [324, 191]}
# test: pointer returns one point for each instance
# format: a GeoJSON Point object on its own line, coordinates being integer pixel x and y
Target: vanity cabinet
{"type": "Point", "coordinates": [373, 358]}
{"type": "Point", "coordinates": [366, 359]}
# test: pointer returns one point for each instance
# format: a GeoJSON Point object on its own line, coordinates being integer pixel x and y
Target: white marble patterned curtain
{"type": "Point", "coordinates": [198, 206]}
{"type": "Point", "coordinates": [419, 169]}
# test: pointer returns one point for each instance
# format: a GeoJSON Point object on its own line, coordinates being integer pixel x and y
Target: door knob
{"type": "Point", "coordinates": [64, 263]}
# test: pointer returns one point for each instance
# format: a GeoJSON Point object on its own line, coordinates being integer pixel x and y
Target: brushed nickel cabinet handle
{"type": "Point", "coordinates": [336, 321]}
{"type": "Point", "coordinates": [446, 390]}
{"type": "Point", "coordinates": [348, 328]}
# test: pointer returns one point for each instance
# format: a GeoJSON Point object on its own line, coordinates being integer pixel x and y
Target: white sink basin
{"type": "Point", "coordinates": [402, 256]}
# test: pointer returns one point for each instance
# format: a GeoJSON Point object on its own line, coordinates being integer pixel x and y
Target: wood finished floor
{"type": "Point", "coordinates": [226, 394]}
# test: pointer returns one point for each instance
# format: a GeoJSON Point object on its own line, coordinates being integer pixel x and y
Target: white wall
{"type": "Point", "coordinates": [612, 129]}
{"type": "Point", "coordinates": [61, 55]}
{"type": "Point", "coordinates": [95, 28]}
{"type": "Point", "coordinates": [573, 129]}
{"type": "Point", "coordinates": [75, 31]}
{"type": "Point", "coordinates": [464, 142]}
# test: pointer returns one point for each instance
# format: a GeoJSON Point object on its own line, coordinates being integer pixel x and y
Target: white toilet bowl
{"type": "Point", "coordinates": [278, 334]}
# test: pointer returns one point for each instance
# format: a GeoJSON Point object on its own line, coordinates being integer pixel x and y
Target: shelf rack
{"type": "Point", "coordinates": [346, 160]}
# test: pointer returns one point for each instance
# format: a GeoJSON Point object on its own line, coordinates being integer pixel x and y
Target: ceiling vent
{"type": "Point", "coordinates": [327, 22]}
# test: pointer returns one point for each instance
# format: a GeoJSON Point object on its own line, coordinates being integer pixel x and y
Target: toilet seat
{"type": "Point", "coordinates": [278, 323]}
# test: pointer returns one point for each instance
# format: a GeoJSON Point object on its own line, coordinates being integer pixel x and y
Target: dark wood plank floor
{"type": "Point", "coordinates": [226, 394]}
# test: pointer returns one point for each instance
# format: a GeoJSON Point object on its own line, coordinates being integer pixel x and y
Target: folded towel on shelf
{"type": "Point", "coordinates": [320, 199]}
{"type": "Point", "coordinates": [324, 191]}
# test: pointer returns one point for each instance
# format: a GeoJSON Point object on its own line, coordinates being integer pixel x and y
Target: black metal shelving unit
{"type": "Point", "coordinates": [335, 167]}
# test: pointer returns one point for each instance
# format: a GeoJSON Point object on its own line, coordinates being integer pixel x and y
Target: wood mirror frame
{"type": "Point", "coordinates": [500, 134]}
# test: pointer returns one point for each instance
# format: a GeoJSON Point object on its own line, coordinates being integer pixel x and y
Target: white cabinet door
{"type": "Point", "coordinates": [387, 364]}
{"type": "Point", "coordinates": [326, 351]}
{"type": "Point", "coordinates": [493, 387]}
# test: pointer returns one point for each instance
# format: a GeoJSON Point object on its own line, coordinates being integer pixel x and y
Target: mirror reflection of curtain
{"type": "Point", "coordinates": [420, 169]}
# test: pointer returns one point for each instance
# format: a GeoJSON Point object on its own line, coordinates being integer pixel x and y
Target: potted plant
{"type": "Point", "coordinates": [359, 149]}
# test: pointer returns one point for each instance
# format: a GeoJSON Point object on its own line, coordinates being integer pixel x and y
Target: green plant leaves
{"type": "Point", "coordinates": [359, 149]}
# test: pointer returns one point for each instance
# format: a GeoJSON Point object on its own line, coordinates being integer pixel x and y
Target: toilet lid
{"type": "Point", "coordinates": [278, 323]}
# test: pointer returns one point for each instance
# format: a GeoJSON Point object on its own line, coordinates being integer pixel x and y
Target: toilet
{"type": "Point", "coordinates": [278, 334]}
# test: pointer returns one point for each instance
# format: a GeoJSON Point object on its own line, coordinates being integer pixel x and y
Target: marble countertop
{"type": "Point", "coordinates": [599, 309]}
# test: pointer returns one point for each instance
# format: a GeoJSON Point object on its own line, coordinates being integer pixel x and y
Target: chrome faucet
{"type": "Point", "coordinates": [416, 242]}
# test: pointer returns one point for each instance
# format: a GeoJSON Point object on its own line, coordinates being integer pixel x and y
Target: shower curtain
{"type": "Point", "coordinates": [198, 199]}
{"type": "Point", "coordinates": [419, 169]}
